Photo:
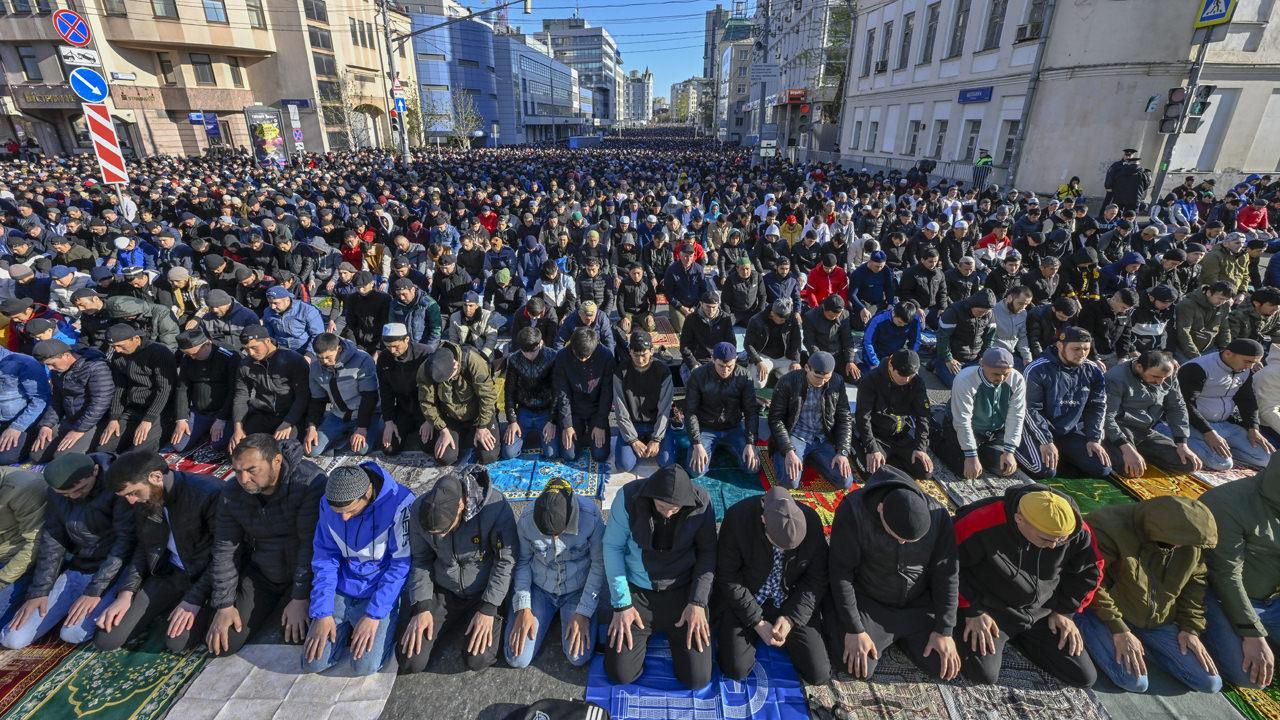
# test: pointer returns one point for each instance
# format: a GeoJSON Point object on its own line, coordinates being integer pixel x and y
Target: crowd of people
{"type": "Point", "coordinates": [356, 303]}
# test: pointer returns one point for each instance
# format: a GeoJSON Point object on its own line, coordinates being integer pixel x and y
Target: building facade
{"type": "Point", "coordinates": [712, 25]}
{"type": "Point", "coordinates": [733, 92]}
{"type": "Point", "coordinates": [539, 97]}
{"type": "Point", "coordinates": [457, 73]}
{"type": "Point", "coordinates": [1054, 90]}
{"type": "Point", "coordinates": [638, 97]}
{"type": "Point", "coordinates": [593, 53]}
{"type": "Point", "coordinates": [693, 102]}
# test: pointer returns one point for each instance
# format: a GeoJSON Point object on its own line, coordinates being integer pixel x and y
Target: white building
{"type": "Point", "coordinates": [637, 97]}
{"type": "Point", "coordinates": [693, 101]}
{"type": "Point", "coordinates": [1055, 89]}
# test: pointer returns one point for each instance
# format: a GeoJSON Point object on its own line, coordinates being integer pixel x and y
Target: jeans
{"type": "Point", "coordinates": [68, 588]}
{"type": "Point", "coordinates": [531, 424]}
{"type": "Point", "coordinates": [1223, 642]}
{"type": "Point", "coordinates": [334, 433]}
{"type": "Point", "coordinates": [545, 607]}
{"type": "Point", "coordinates": [1160, 645]}
{"type": "Point", "coordinates": [1238, 440]}
{"type": "Point", "coordinates": [583, 441]}
{"type": "Point", "coordinates": [624, 456]}
{"type": "Point", "coordinates": [346, 613]}
{"type": "Point", "coordinates": [823, 456]}
{"type": "Point", "coordinates": [945, 375]}
{"type": "Point", "coordinates": [10, 598]}
{"type": "Point", "coordinates": [735, 440]}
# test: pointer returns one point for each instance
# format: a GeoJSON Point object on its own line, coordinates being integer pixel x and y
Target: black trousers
{"type": "Point", "coordinates": [908, 628]}
{"type": "Point", "coordinates": [1156, 448]}
{"type": "Point", "coordinates": [450, 614]}
{"type": "Point", "coordinates": [260, 422]}
{"type": "Point", "coordinates": [464, 438]}
{"type": "Point", "coordinates": [804, 645]}
{"type": "Point", "coordinates": [660, 610]}
{"type": "Point", "coordinates": [898, 451]}
{"type": "Point", "coordinates": [157, 597]}
{"type": "Point", "coordinates": [407, 429]}
{"type": "Point", "coordinates": [947, 447]}
{"type": "Point", "coordinates": [1040, 646]}
{"type": "Point", "coordinates": [259, 601]}
{"type": "Point", "coordinates": [161, 431]}
{"type": "Point", "coordinates": [87, 442]}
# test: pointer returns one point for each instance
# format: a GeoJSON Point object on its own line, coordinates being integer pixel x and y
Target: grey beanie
{"type": "Point", "coordinates": [346, 485]}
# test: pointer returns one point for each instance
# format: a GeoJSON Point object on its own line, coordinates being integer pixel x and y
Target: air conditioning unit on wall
{"type": "Point", "coordinates": [1030, 31]}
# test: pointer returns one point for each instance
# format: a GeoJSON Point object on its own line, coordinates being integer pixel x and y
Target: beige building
{"type": "Point", "coordinates": [1056, 94]}
{"type": "Point", "coordinates": [168, 59]}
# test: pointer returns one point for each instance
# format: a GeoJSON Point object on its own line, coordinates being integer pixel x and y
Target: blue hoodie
{"type": "Point", "coordinates": [24, 389]}
{"type": "Point", "coordinates": [883, 338]}
{"type": "Point", "coordinates": [1113, 277]}
{"type": "Point", "coordinates": [366, 557]}
{"type": "Point", "coordinates": [872, 288]}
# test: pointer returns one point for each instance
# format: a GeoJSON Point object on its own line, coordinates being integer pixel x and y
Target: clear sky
{"type": "Point", "coordinates": [665, 35]}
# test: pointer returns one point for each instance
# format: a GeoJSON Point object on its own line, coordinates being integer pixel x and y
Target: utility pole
{"type": "Point", "coordinates": [764, 83]}
{"type": "Point", "coordinates": [394, 76]}
{"type": "Point", "coordinates": [1171, 141]}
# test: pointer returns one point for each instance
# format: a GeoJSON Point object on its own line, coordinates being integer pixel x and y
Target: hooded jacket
{"type": "Point", "coordinates": [961, 336]}
{"type": "Point", "coordinates": [883, 337]}
{"type": "Point", "coordinates": [156, 321]}
{"type": "Point", "coordinates": [272, 533]}
{"type": "Point", "coordinates": [469, 397]}
{"type": "Point", "coordinates": [744, 559]}
{"type": "Point", "coordinates": [631, 558]}
{"type": "Point", "coordinates": [1017, 583]}
{"type": "Point", "coordinates": [872, 570]}
{"type": "Point", "coordinates": [1155, 563]}
{"type": "Point", "coordinates": [570, 562]}
{"type": "Point", "coordinates": [1246, 322]}
{"type": "Point", "coordinates": [1245, 564]}
{"type": "Point", "coordinates": [348, 390]}
{"type": "Point", "coordinates": [91, 535]}
{"type": "Point", "coordinates": [23, 495]}
{"type": "Point", "coordinates": [190, 514]}
{"type": "Point", "coordinates": [1062, 399]}
{"type": "Point", "coordinates": [476, 559]}
{"type": "Point", "coordinates": [366, 557]}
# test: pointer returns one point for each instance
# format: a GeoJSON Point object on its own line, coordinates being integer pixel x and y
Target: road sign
{"type": "Point", "coordinates": [72, 27]}
{"type": "Point", "coordinates": [105, 143]}
{"type": "Point", "coordinates": [397, 90]}
{"type": "Point", "coordinates": [768, 152]}
{"type": "Point", "coordinates": [769, 143]}
{"type": "Point", "coordinates": [79, 56]}
{"type": "Point", "coordinates": [762, 72]}
{"type": "Point", "coordinates": [195, 118]}
{"type": "Point", "coordinates": [400, 106]}
{"type": "Point", "coordinates": [294, 120]}
{"type": "Point", "coordinates": [297, 135]}
{"type": "Point", "coordinates": [1214, 12]}
{"type": "Point", "coordinates": [88, 84]}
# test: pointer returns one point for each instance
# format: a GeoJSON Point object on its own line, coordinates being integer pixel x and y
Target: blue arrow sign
{"type": "Point", "coordinates": [400, 106]}
{"type": "Point", "coordinates": [88, 84]}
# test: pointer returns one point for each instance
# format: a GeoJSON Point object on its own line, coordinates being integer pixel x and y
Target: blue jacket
{"type": "Point", "coordinates": [366, 557]}
{"type": "Point", "coordinates": [1062, 400]}
{"type": "Point", "coordinates": [143, 255]}
{"type": "Point", "coordinates": [82, 395]}
{"type": "Point", "coordinates": [296, 328]}
{"type": "Point", "coordinates": [883, 338]}
{"type": "Point", "coordinates": [24, 389]}
{"type": "Point", "coordinates": [782, 286]}
{"type": "Point", "coordinates": [602, 326]}
{"type": "Point", "coordinates": [421, 317]}
{"type": "Point", "coordinates": [571, 562]}
{"type": "Point", "coordinates": [874, 288]}
{"type": "Point", "coordinates": [684, 286]}
{"type": "Point", "coordinates": [1113, 277]}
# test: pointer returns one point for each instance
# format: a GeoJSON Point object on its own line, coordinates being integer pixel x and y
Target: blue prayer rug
{"type": "Point", "coordinates": [585, 475]}
{"type": "Point", "coordinates": [515, 477]}
{"type": "Point", "coordinates": [771, 692]}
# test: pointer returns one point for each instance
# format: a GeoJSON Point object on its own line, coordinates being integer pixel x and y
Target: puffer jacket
{"type": "Point", "coordinates": [744, 559]}
{"type": "Point", "coordinates": [961, 335]}
{"type": "Point", "coordinates": [90, 535]}
{"type": "Point", "coordinates": [277, 386]}
{"type": "Point", "coordinates": [1221, 264]}
{"type": "Point", "coordinates": [296, 327]}
{"type": "Point", "coordinates": [273, 533]}
{"type": "Point", "coordinates": [421, 316]}
{"type": "Point", "coordinates": [24, 390]}
{"type": "Point", "coordinates": [1245, 564]}
{"type": "Point", "coordinates": [474, 560]}
{"type": "Point", "coordinates": [82, 395]}
{"type": "Point", "coordinates": [1199, 326]}
{"type": "Point", "coordinates": [873, 570]}
{"type": "Point", "coordinates": [788, 399]}
{"type": "Point", "coordinates": [1133, 405]}
{"type": "Point", "coordinates": [156, 321]}
{"type": "Point", "coordinates": [348, 390]}
{"type": "Point", "coordinates": [529, 383]}
{"type": "Point", "coordinates": [1147, 583]}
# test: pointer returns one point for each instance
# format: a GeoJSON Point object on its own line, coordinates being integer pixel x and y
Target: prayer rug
{"type": "Point", "coordinates": [515, 477]}
{"type": "Point", "coordinates": [1089, 493]}
{"type": "Point", "coordinates": [963, 492]}
{"type": "Point", "coordinates": [898, 691]}
{"type": "Point", "coordinates": [772, 691]}
{"type": "Point", "coordinates": [1256, 704]}
{"type": "Point", "coordinates": [727, 483]}
{"type": "Point", "coordinates": [137, 682]}
{"type": "Point", "coordinates": [263, 682]}
{"type": "Point", "coordinates": [21, 669]}
{"type": "Point", "coordinates": [587, 476]}
{"type": "Point", "coordinates": [1024, 691]}
{"type": "Point", "coordinates": [1222, 477]}
{"type": "Point", "coordinates": [935, 491]}
{"type": "Point", "coordinates": [206, 460]}
{"type": "Point", "coordinates": [815, 491]}
{"type": "Point", "coordinates": [664, 334]}
{"type": "Point", "coordinates": [1156, 483]}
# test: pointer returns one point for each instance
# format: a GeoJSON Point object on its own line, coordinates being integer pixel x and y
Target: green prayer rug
{"type": "Point", "coordinates": [1089, 493]}
{"type": "Point", "coordinates": [1256, 704]}
{"type": "Point", "coordinates": [137, 682]}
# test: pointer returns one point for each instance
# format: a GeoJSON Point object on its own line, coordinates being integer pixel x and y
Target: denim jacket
{"type": "Point", "coordinates": [568, 563]}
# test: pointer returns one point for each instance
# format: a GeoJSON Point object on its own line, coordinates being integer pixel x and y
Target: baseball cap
{"type": "Point", "coordinates": [57, 272]}
{"type": "Point", "coordinates": [191, 338]}
{"type": "Point", "coordinates": [46, 349]}
{"type": "Point", "coordinates": [640, 340]}
{"type": "Point", "coordinates": [997, 357]}
{"type": "Point", "coordinates": [278, 292]}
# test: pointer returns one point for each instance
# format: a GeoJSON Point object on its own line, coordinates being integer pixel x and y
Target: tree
{"type": "Point", "coordinates": [466, 120]}
{"type": "Point", "coordinates": [436, 116]}
{"type": "Point", "coordinates": [413, 116]}
{"type": "Point", "coordinates": [359, 134]}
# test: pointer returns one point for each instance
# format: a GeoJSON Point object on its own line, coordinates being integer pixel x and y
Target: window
{"type": "Point", "coordinates": [257, 18]}
{"type": "Point", "coordinates": [856, 141]}
{"type": "Point", "coordinates": [166, 69]}
{"type": "Point", "coordinates": [202, 64]}
{"type": "Point", "coordinates": [873, 136]}
{"type": "Point", "coordinates": [315, 10]}
{"type": "Point", "coordinates": [904, 51]}
{"type": "Point", "coordinates": [958, 29]}
{"type": "Point", "coordinates": [30, 66]}
{"type": "Point", "coordinates": [328, 91]}
{"type": "Point", "coordinates": [44, 7]}
{"type": "Point", "coordinates": [165, 9]}
{"type": "Point", "coordinates": [971, 130]}
{"type": "Point", "coordinates": [1011, 128]}
{"type": "Point", "coordinates": [237, 76]}
{"type": "Point", "coordinates": [869, 52]}
{"type": "Point", "coordinates": [939, 138]}
{"type": "Point", "coordinates": [913, 137]}
{"type": "Point", "coordinates": [930, 32]}
{"type": "Point", "coordinates": [995, 24]}
{"type": "Point", "coordinates": [437, 57]}
{"type": "Point", "coordinates": [21, 7]}
{"type": "Point", "coordinates": [468, 63]}
{"type": "Point", "coordinates": [355, 30]}
{"type": "Point", "coordinates": [742, 89]}
{"type": "Point", "coordinates": [884, 44]}
{"type": "Point", "coordinates": [742, 72]}
{"type": "Point", "coordinates": [320, 38]}
{"type": "Point", "coordinates": [1037, 11]}
{"type": "Point", "coordinates": [215, 11]}
{"type": "Point", "coordinates": [325, 65]}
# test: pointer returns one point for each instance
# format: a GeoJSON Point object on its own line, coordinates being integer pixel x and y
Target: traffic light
{"type": "Point", "coordinates": [528, 7]}
{"type": "Point", "coordinates": [1200, 101]}
{"type": "Point", "coordinates": [395, 122]}
{"type": "Point", "coordinates": [1173, 111]}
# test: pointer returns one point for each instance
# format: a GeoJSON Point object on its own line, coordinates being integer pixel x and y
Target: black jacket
{"type": "Point", "coordinates": [548, 324]}
{"type": "Point", "coordinates": [886, 410]}
{"type": "Point", "coordinates": [928, 288]}
{"type": "Point", "coordinates": [82, 395]}
{"type": "Point", "coordinates": [833, 336]}
{"type": "Point", "coordinates": [742, 297]}
{"type": "Point", "coordinates": [206, 386]}
{"type": "Point", "coordinates": [277, 387]}
{"type": "Point", "coordinates": [274, 533]}
{"type": "Point", "coordinates": [584, 390]}
{"type": "Point", "coordinates": [398, 385]}
{"type": "Point", "coordinates": [192, 507]}
{"type": "Point", "coordinates": [788, 399]}
{"type": "Point", "coordinates": [690, 561]}
{"type": "Point", "coordinates": [961, 286]}
{"type": "Point", "coordinates": [699, 335]}
{"type": "Point", "coordinates": [530, 384]}
{"type": "Point", "coordinates": [765, 338]}
{"type": "Point", "coordinates": [721, 403]}
{"type": "Point", "coordinates": [1111, 332]}
{"type": "Point", "coordinates": [744, 559]}
{"type": "Point", "coordinates": [872, 571]}
{"type": "Point", "coordinates": [225, 330]}
{"type": "Point", "coordinates": [1044, 328]}
{"type": "Point", "coordinates": [365, 315]}
{"type": "Point", "coordinates": [90, 535]}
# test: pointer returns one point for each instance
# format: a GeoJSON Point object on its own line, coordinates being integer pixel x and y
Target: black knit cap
{"type": "Point", "coordinates": [555, 509]}
{"type": "Point", "coordinates": [438, 508]}
{"type": "Point", "coordinates": [905, 512]}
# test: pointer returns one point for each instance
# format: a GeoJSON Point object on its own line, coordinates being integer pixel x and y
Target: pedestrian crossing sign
{"type": "Point", "coordinates": [1214, 12]}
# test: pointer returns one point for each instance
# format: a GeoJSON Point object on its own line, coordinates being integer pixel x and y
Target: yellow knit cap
{"type": "Point", "coordinates": [1048, 512]}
